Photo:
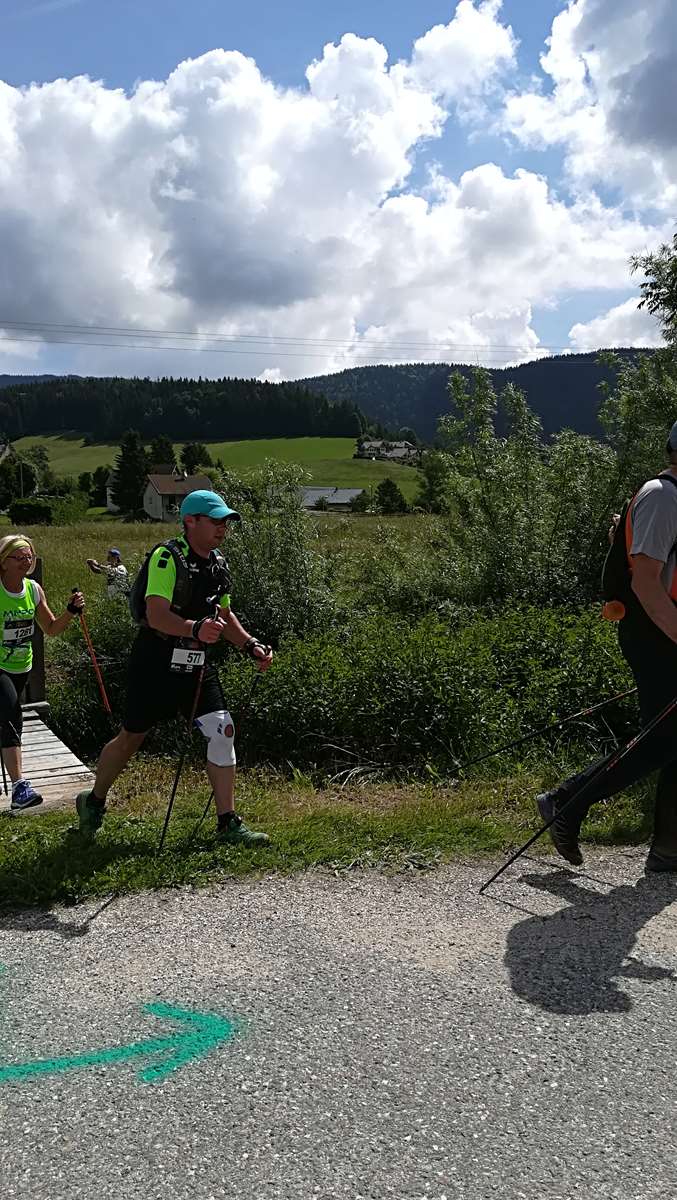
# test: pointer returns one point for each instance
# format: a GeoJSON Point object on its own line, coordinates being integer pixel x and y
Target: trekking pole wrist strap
{"type": "Point", "coordinates": [251, 645]}
{"type": "Point", "coordinates": [73, 609]}
{"type": "Point", "coordinates": [196, 627]}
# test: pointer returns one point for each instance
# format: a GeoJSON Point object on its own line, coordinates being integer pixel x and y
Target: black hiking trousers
{"type": "Point", "coordinates": [652, 658]}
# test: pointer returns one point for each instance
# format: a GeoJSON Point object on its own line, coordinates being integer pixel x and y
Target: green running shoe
{"type": "Point", "coordinates": [90, 811]}
{"type": "Point", "coordinates": [231, 828]}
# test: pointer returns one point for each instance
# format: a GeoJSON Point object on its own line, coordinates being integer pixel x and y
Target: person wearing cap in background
{"type": "Point", "coordinates": [181, 601]}
{"type": "Point", "coordinates": [647, 634]}
{"type": "Point", "coordinates": [117, 580]}
{"type": "Point", "coordinates": [22, 605]}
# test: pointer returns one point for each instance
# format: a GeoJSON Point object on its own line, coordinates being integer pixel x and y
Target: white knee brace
{"type": "Point", "coordinates": [219, 731]}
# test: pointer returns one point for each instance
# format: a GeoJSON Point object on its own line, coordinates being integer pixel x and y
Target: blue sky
{"type": "Point", "coordinates": [121, 41]}
{"type": "Point", "coordinates": [492, 128]}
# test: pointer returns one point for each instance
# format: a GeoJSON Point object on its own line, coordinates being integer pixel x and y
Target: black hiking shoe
{"type": "Point", "coordinates": [90, 811]}
{"type": "Point", "coordinates": [231, 828]}
{"type": "Point", "coordinates": [659, 862]}
{"type": "Point", "coordinates": [564, 832]}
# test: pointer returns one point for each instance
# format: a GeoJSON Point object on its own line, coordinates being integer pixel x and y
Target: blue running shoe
{"type": "Point", "coordinates": [24, 795]}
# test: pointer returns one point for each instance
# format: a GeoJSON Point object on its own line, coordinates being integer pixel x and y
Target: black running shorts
{"type": "Point", "coordinates": [155, 693]}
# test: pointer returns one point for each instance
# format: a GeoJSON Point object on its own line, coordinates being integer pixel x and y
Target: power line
{"type": "Point", "coordinates": [282, 339]}
{"type": "Point", "coordinates": [250, 351]}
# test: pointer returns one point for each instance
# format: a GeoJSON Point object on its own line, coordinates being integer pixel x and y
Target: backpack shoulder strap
{"type": "Point", "coordinates": [182, 585]}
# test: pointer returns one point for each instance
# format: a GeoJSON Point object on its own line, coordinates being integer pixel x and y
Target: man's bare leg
{"type": "Point", "coordinates": [113, 760]}
{"type": "Point", "coordinates": [233, 828]}
{"type": "Point", "coordinates": [91, 804]}
{"type": "Point", "coordinates": [222, 780]}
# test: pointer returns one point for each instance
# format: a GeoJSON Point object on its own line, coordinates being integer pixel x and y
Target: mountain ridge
{"type": "Point", "coordinates": [563, 389]}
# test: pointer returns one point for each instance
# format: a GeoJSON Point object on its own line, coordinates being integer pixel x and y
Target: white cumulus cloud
{"type": "Point", "coordinates": [624, 325]}
{"type": "Point", "coordinates": [465, 55]}
{"type": "Point", "coordinates": [216, 203]}
{"type": "Point", "coordinates": [611, 71]}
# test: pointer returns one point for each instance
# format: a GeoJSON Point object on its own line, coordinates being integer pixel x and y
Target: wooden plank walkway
{"type": "Point", "coordinates": [52, 768]}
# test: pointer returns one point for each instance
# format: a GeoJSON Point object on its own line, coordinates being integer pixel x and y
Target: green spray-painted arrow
{"type": "Point", "coordinates": [202, 1033]}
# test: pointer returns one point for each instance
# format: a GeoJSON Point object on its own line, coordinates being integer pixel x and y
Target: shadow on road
{"type": "Point", "coordinates": [59, 873]}
{"type": "Point", "coordinates": [39, 921]}
{"type": "Point", "coordinates": [570, 961]}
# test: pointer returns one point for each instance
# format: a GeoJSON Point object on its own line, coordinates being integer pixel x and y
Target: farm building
{"type": "Point", "coordinates": [163, 493]}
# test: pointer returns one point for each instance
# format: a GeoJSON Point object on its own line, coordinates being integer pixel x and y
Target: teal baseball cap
{"type": "Point", "coordinates": [207, 504]}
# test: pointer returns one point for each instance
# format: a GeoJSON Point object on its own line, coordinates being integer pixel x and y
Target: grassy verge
{"type": "Point", "coordinates": [395, 828]}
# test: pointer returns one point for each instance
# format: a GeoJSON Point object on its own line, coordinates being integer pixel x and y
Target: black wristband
{"type": "Point", "coordinates": [197, 626]}
{"type": "Point", "coordinates": [249, 646]}
{"type": "Point", "coordinates": [73, 608]}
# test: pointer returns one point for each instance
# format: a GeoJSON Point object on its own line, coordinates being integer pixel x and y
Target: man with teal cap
{"type": "Point", "coordinates": [181, 601]}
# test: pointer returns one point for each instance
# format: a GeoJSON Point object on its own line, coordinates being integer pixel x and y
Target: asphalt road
{"type": "Point", "coordinates": [393, 1037]}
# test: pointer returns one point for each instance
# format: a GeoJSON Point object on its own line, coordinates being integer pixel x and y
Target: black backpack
{"type": "Point", "coordinates": [617, 590]}
{"type": "Point", "coordinates": [183, 585]}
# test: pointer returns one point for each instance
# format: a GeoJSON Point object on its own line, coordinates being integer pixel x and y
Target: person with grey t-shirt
{"type": "Point", "coordinates": [647, 636]}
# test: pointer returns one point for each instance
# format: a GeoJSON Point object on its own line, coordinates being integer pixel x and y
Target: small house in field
{"type": "Point", "coordinates": [163, 494]}
{"type": "Point", "coordinates": [332, 499]}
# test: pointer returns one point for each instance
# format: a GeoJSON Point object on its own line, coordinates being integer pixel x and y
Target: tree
{"type": "Point", "coordinates": [321, 504]}
{"type": "Point", "coordinates": [659, 287]}
{"type": "Point", "coordinates": [361, 503]}
{"type": "Point", "coordinates": [194, 455]}
{"type": "Point", "coordinates": [18, 479]}
{"type": "Point", "coordinates": [38, 457]}
{"type": "Point", "coordinates": [98, 495]}
{"type": "Point", "coordinates": [433, 491]}
{"type": "Point", "coordinates": [161, 451]}
{"type": "Point", "coordinates": [389, 498]}
{"type": "Point", "coordinates": [85, 482]}
{"type": "Point", "coordinates": [131, 469]}
{"type": "Point", "coordinates": [406, 434]}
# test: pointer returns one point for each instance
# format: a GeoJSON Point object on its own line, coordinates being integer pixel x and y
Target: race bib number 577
{"type": "Point", "coordinates": [187, 660]}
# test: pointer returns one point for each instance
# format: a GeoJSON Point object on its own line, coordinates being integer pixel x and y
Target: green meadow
{"type": "Point", "coordinates": [329, 461]}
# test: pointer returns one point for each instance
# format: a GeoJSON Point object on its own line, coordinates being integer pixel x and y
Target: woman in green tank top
{"type": "Point", "coordinates": [22, 604]}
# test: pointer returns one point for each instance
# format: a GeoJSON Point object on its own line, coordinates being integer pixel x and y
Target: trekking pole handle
{"type": "Point", "coordinates": [74, 608]}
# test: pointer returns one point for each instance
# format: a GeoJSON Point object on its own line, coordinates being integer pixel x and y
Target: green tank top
{"type": "Point", "coordinates": [17, 614]}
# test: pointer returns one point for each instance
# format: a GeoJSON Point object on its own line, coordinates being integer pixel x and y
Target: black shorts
{"type": "Point", "coordinates": [156, 693]}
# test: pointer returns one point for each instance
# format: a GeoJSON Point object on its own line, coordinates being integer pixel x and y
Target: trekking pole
{"type": "Point", "coordinates": [4, 773]}
{"type": "Point", "coordinates": [606, 766]}
{"type": "Point", "coordinates": [189, 733]}
{"type": "Point", "coordinates": [243, 717]}
{"type": "Point", "coordinates": [527, 737]}
{"type": "Point", "coordinates": [92, 655]}
{"type": "Point", "coordinates": [179, 767]}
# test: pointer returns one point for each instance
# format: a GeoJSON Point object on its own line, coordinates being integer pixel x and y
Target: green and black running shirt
{"type": "Point", "coordinates": [205, 584]}
{"type": "Point", "coordinates": [17, 614]}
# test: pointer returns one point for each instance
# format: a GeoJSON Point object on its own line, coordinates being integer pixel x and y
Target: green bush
{"type": "Point", "coordinates": [384, 694]}
{"type": "Point", "coordinates": [69, 509]}
{"type": "Point", "coordinates": [49, 510]}
{"type": "Point", "coordinates": [282, 584]}
{"type": "Point", "coordinates": [435, 693]}
{"type": "Point", "coordinates": [30, 511]}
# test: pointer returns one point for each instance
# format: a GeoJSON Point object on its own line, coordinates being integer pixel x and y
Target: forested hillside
{"type": "Point", "coordinates": [563, 390]}
{"type": "Point", "coordinates": [180, 408]}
